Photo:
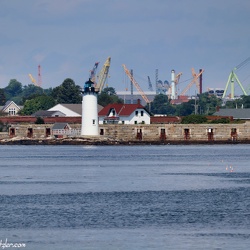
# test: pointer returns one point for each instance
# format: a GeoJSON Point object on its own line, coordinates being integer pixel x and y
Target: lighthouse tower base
{"type": "Point", "coordinates": [89, 111]}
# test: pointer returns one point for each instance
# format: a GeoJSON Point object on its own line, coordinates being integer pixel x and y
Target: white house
{"type": "Point", "coordinates": [119, 113]}
{"type": "Point", "coordinates": [11, 108]}
{"type": "Point", "coordinates": [70, 110]}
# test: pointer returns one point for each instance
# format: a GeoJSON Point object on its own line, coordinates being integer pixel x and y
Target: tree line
{"type": "Point", "coordinates": [34, 98]}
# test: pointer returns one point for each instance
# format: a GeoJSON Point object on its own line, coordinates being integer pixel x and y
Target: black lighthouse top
{"type": "Point", "coordinates": [89, 87]}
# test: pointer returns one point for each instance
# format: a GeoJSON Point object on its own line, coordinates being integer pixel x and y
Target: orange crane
{"type": "Point", "coordinates": [195, 80]}
{"type": "Point", "coordinates": [136, 84]}
{"type": "Point", "coordinates": [39, 83]}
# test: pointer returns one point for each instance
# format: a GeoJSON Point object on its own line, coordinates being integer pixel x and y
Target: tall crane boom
{"type": "Point", "coordinates": [93, 72]}
{"type": "Point", "coordinates": [195, 78]}
{"type": "Point", "coordinates": [103, 74]}
{"type": "Point", "coordinates": [150, 86]}
{"type": "Point", "coordinates": [37, 83]}
{"type": "Point", "coordinates": [232, 77]}
{"type": "Point", "coordinates": [33, 80]}
{"type": "Point", "coordinates": [136, 84]}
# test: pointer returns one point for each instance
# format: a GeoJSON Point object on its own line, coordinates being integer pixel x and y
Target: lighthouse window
{"type": "Point", "coordinates": [94, 122]}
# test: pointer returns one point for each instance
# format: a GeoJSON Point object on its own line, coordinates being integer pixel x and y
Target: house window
{"type": "Point", "coordinates": [136, 113]}
{"type": "Point", "coordinates": [113, 112]}
{"type": "Point", "coordinates": [123, 122]}
{"type": "Point", "coordinates": [142, 113]}
{"type": "Point", "coordinates": [101, 131]}
{"type": "Point", "coordinates": [12, 111]}
{"type": "Point", "coordinates": [135, 122]}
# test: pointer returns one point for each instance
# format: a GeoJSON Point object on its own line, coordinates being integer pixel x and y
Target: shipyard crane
{"type": "Point", "coordinates": [177, 78]}
{"type": "Point", "coordinates": [150, 86]}
{"type": "Point", "coordinates": [37, 83]}
{"type": "Point", "coordinates": [145, 98]}
{"type": "Point", "coordinates": [93, 72]}
{"type": "Point", "coordinates": [33, 80]}
{"type": "Point", "coordinates": [232, 77]}
{"type": "Point", "coordinates": [195, 80]}
{"type": "Point", "coordinates": [102, 77]}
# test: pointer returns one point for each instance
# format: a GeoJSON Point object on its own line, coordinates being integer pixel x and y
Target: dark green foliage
{"type": "Point", "coordinates": [1, 126]}
{"type": "Point", "coordinates": [221, 120]}
{"type": "Point", "coordinates": [194, 119]}
{"type": "Point", "coordinates": [186, 108]}
{"type": "Point", "coordinates": [242, 102]}
{"type": "Point", "coordinates": [108, 96]}
{"type": "Point", "coordinates": [2, 97]}
{"type": "Point", "coordinates": [31, 91]}
{"type": "Point", "coordinates": [207, 103]}
{"type": "Point", "coordinates": [39, 120]}
{"type": "Point", "coordinates": [42, 102]}
{"type": "Point", "coordinates": [161, 105]}
{"type": "Point", "coordinates": [67, 92]}
{"type": "Point", "coordinates": [4, 127]}
{"type": "Point", "coordinates": [13, 89]}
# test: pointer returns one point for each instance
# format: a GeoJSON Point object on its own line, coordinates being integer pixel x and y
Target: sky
{"type": "Point", "coordinates": [66, 38]}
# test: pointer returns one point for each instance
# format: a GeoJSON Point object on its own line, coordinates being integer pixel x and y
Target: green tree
{"type": "Point", "coordinates": [232, 104]}
{"type": "Point", "coordinates": [246, 101]}
{"type": "Point", "coordinates": [207, 103]}
{"type": "Point", "coordinates": [39, 120]}
{"type": "Point", "coordinates": [186, 108]}
{"type": "Point", "coordinates": [31, 90]}
{"type": "Point", "coordinates": [67, 92]}
{"type": "Point", "coordinates": [221, 120]}
{"type": "Point", "coordinates": [42, 102]}
{"type": "Point", "coordinates": [13, 89]}
{"type": "Point", "coordinates": [197, 119]}
{"type": "Point", "coordinates": [109, 91]}
{"type": "Point", "coordinates": [107, 96]}
{"type": "Point", "coordinates": [161, 105]}
{"type": "Point", "coordinates": [2, 97]}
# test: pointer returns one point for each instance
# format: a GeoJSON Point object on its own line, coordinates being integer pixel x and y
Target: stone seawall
{"type": "Point", "coordinates": [134, 134]}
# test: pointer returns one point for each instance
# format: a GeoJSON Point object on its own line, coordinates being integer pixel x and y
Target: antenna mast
{"type": "Point", "coordinates": [39, 78]}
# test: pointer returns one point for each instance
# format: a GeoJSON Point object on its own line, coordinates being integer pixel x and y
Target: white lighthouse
{"type": "Point", "coordinates": [89, 110]}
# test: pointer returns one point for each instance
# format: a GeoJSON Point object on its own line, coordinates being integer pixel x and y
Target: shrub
{"type": "Point", "coordinates": [39, 120]}
{"type": "Point", "coordinates": [221, 120]}
{"type": "Point", "coordinates": [195, 119]}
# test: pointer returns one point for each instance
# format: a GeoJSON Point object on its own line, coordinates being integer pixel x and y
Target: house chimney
{"type": "Point", "coordinates": [138, 101]}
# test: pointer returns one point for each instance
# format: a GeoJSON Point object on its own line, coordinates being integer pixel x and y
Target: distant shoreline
{"type": "Point", "coordinates": [101, 142]}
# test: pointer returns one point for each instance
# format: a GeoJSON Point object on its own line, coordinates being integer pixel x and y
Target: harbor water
{"type": "Point", "coordinates": [125, 197]}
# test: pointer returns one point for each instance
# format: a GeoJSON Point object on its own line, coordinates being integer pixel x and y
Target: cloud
{"type": "Point", "coordinates": [68, 37]}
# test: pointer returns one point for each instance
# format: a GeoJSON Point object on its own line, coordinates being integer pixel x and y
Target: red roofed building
{"type": "Point", "coordinates": [118, 113]}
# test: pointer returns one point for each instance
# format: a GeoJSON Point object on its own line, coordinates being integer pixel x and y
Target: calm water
{"type": "Point", "coordinates": [125, 197]}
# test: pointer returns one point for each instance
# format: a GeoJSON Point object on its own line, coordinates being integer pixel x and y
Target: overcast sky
{"type": "Point", "coordinates": [67, 37]}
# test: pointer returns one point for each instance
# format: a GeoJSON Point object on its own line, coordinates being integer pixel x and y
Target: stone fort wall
{"type": "Point", "coordinates": [142, 132]}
